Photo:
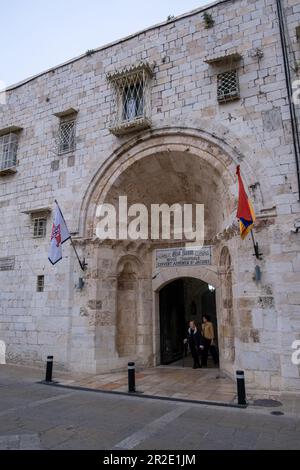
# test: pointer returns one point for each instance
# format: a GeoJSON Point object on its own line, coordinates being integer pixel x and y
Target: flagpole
{"type": "Point", "coordinates": [255, 245]}
{"type": "Point", "coordinates": [82, 265]}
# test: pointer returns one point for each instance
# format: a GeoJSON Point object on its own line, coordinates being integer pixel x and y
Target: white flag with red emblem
{"type": "Point", "coordinates": [59, 235]}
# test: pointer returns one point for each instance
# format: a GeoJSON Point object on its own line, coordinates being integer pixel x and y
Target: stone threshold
{"type": "Point", "coordinates": [138, 394]}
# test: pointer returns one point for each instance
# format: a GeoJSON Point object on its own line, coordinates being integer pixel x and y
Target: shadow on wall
{"type": "Point", "coordinates": [2, 352]}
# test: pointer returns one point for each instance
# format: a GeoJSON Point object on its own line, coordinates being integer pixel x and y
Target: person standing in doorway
{"type": "Point", "coordinates": [208, 336]}
{"type": "Point", "coordinates": [195, 341]}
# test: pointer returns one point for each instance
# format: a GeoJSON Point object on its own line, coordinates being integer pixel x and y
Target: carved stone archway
{"type": "Point", "coordinates": [207, 160]}
{"type": "Point", "coordinates": [208, 146]}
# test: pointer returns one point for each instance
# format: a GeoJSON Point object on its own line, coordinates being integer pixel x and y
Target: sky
{"type": "Point", "coordinates": [38, 34]}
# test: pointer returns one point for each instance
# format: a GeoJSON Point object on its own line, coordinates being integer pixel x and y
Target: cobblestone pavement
{"type": "Point", "coordinates": [37, 416]}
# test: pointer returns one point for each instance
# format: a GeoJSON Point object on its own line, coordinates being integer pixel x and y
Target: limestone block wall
{"type": "Point", "coordinates": [183, 95]}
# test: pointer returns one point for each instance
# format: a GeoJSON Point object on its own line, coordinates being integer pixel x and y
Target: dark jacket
{"type": "Point", "coordinates": [195, 340]}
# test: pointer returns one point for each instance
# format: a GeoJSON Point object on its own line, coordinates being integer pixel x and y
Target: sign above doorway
{"type": "Point", "coordinates": [187, 256]}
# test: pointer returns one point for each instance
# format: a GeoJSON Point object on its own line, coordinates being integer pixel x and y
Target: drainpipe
{"type": "Point", "coordinates": [294, 121]}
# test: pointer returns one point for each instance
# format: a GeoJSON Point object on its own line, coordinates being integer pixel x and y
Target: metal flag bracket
{"type": "Point", "coordinates": [82, 263]}
{"type": "Point", "coordinates": [256, 253]}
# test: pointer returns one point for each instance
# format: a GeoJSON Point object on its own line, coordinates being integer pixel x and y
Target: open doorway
{"type": "Point", "coordinates": [180, 301]}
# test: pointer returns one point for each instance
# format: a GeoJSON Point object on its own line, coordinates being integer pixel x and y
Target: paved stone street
{"type": "Point", "coordinates": [179, 381]}
{"type": "Point", "coordinates": [37, 416]}
{"type": "Point", "coordinates": [166, 381]}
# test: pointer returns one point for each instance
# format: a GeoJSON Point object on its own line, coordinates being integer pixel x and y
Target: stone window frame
{"type": "Point", "coordinates": [39, 226]}
{"type": "Point", "coordinates": [40, 283]}
{"type": "Point", "coordinates": [38, 214]}
{"type": "Point", "coordinates": [131, 99]}
{"type": "Point", "coordinates": [227, 63]}
{"type": "Point", "coordinates": [66, 136]}
{"type": "Point", "coordinates": [228, 88]}
{"type": "Point", "coordinates": [9, 141]}
{"type": "Point", "coordinates": [66, 133]}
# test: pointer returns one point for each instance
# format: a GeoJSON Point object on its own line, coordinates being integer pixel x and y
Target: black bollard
{"type": "Point", "coordinates": [49, 368]}
{"type": "Point", "coordinates": [241, 391]}
{"type": "Point", "coordinates": [131, 377]}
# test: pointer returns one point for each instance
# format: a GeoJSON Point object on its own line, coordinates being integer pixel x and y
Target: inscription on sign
{"type": "Point", "coordinates": [7, 263]}
{"type": "Point", "coordinates": [191, 256]}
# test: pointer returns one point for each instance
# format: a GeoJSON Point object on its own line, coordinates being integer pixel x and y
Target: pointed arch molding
{"type": "Point", "coordinates": [222, 152]}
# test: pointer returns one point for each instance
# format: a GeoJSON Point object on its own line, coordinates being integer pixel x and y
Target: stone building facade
{"type": "Point", "coordinates": [208, 92]}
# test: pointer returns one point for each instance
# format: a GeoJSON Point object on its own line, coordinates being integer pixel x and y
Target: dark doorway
{"type": "Point", "coordinates": [180, 301]}
{"type": "Point", "coordinates": [172, 321]}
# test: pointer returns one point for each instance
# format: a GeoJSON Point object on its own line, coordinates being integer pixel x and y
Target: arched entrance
{"type": "Point", "coordinates": [180, 301]}
{"type": "Point", "coordinates": [161, 166]}
{"type": "Point", "coordinates": [203, 278]}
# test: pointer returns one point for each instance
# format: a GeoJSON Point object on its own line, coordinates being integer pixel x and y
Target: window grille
{"type": "Point", "coordinates": [228, 86]}
{"type": "Point", "coordinates": [66, 136]}
{"type": "Point", "coordinates": [8, 151]}
{"type": "Point", "coordinates": [40, 283]}
{"type": "Point", "coordinates": [7, 263]}
{"type": "Point", "coordinates": [131, 108]}
{"type": "Point", "coordinates": [39, 227]}
{"type": "Point", "coordinates": [133, 102]}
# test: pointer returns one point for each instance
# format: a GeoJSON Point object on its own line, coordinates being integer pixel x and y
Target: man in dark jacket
{"type": "Point", "coordinates": [195, 340]}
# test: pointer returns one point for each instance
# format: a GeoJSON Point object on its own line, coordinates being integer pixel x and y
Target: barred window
{"type": "Point", "coordinates": [228, 86]}
{"type": "Point", "coordinates": [133, 101]}
{"type": "Point", "coordinates": [39, 227]}
{"type": "Point", "coordinates": [7, 263]}
{"type": "Point", "coordinates": [8, 151]}
{"type": "Point", "coordinates": [66, 136]}
{"type": "Point", "coordinates": [131, 108]}
{"type": "Point", "coordinates": [40, 283]}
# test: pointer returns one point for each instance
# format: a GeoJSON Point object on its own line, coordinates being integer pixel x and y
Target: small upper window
{"type": "Point", "coordinates": [40, 283]}
{"type": "Point", "coordinates": [130, 105]}
{"type": "Point", "coordinates": [8, 151]}
{"type": "Point", "coordinates": [39, 227]}
{"type": "Point", "coordinates": [66, 137]}
{"type": "Point", "coordinates": [228, 86]}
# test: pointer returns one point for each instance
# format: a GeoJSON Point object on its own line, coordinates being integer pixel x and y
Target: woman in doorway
{"type": "Point", "coordinates": [208, 335]}
{"type": "Point", "coordinates": [195, 341]}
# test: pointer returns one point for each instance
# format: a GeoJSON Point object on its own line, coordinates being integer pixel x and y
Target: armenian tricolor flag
{"type": "Point", "coordinates": [245, 212]}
